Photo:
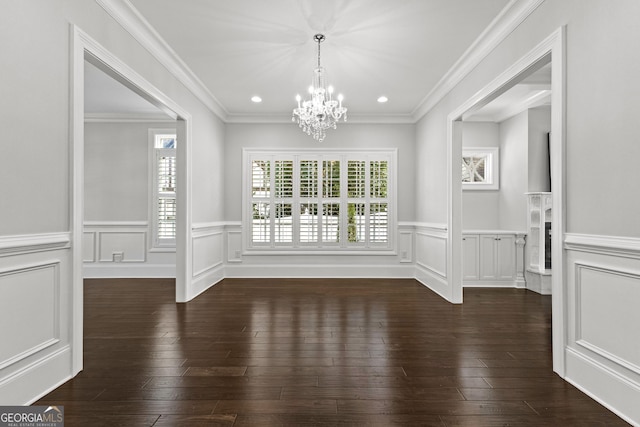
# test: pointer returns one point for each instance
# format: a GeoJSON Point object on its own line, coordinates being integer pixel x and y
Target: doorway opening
{"type": "Point", "coordinates": [549, 53]}
{"type": "Point", "coordinates": [88, 53]}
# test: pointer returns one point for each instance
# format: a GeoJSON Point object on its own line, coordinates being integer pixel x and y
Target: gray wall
{"type": "Point", "coordinates": [602, 96]}
{"type": "Point", "coordinates": [514, 165]}
{"type": "Point", "coordinates": [116, 171]}
{"type": "Point", "coordinates": [539, 128]}
{"type": "Point", "coordinates": [524, 167]}
{"type": "Point", "coordinates": [480, 207]}
{"type": "Point", "coordinates": [36, 168]}
{"type": "Point", "coordinates": [601, 105]}
{"type": "Point", "coordinates": [347, 135]}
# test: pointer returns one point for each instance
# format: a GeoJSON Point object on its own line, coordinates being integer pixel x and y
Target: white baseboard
{"type": "Point", "coordinates": [489, 284]}
{"type": "Point", "coordinates": [540, 283]}
{"type": "Point", "coordinates": [314, 270]}
{"type": "Point", "coordinates": [125, 270]}
{"type": "Point", "coordinates": [204, 281]}
{"type": "Point", "coordinates": [614, 392]}
{"type": "Point", "coordinates": [433, 281]}
{"type": "Point", "coordinates": [37, 379]}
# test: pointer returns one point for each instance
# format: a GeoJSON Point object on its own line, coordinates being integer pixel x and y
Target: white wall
{"type": "Point", "coordinates": [602, 103]}
{"type": "Point", "coordinates": [539, 128]}
{"type": "Point", "coordinates": [602, 243]}
{"type": "Point", "coordinates": [524, 166]}
{"type": "Point", "coordinates": [514, 166]}
{"type": "Point", "coordinates": [347, 135]}
{"type": "Point", "coordinates": [35, 224]}
{"type": "Point", "coordinates": [117, 202]}
{"type": "Point", "coordinates": [431, 166]}
{"type": "Point", "coordinates": [116, 171]}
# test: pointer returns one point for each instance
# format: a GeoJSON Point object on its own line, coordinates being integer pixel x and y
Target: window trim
{"type": "Point", "coordinates": [154, 243]}
{"type": "Point", "coordinates": [343, 248]}
{"type": "Point", "coordinates": [492, 167]}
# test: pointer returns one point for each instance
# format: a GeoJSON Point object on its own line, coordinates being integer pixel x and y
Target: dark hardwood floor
{"type": "Point", "coordinates": [271, 352]}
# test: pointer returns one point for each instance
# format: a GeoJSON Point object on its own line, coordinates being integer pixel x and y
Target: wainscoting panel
{"type": "Point", "coordinates": [35, 311]}
{"type": "Point", "coordinates": [89, 246]}
{"type": "Point", "coordinates": [234, 245]}
{"type": "Point", "coordinates": [603, 291]}
{"type": "Point", "coordinates": [395, 263]}
{"type": "Point", "coordinates": [604, 318]}
{"type": "Point", "coordinates": [131, 244]}
{"type": "Point", "coordinates": [29, 310]}
{"type": "Point", "coordinates": [207, 252]}
{"type": "Point", "coordinates": [405, 243]}
{"type": "Point", "coordinates": [121, 249]}
{"type": "Point", "coordinates": [431, 250]}
{"type": "Point", "coordinates": [431, 257]}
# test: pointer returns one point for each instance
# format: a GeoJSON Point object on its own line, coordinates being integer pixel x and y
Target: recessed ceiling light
{"type": "Point", "coordinates": [256, 99]}
{"type": "Point", "coordinates": [383, 99]}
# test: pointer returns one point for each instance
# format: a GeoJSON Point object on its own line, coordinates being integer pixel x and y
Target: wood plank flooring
{"type": "Point", "coordinates": [330, 352]}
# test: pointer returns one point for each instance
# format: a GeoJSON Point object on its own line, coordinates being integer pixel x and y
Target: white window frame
{"type": "Point", "coordinates": [492, 167]}
{"type": "Point", "coordinates": [343, 246]}
{"type": "Point", "coordinates": [155, 243]}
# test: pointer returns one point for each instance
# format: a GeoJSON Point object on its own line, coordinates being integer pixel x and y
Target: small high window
{"type": "Point", "coordinates": [164, 188]}
{"type": "Point", "coordinates": [480, 169]}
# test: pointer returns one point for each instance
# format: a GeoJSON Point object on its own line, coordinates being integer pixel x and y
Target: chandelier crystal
{"type": "Point", "coordinates": [321, 112]}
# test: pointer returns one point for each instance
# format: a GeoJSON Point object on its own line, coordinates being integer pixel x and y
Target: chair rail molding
{"type": "Point", "coordinates": [628, 247]}
{"type": "Point", "coordinates": [21, 244]}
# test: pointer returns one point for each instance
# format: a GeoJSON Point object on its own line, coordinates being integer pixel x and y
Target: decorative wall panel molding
{"type": "Point", "coordinates": [115, 241]}
{"type": "Point", "coordinates": [405, 245]}
{"type": "Point", "coordinates": [606, 321]}
{"type": "Point", "coordinates": [122, 246]}
{"type": "Point", "coordinates": [603, 290]}
{"type": "Point", "coordinates": [29, 310]}
{"type": "Point", "coordinates": [207, 249]}
{"type": "Point", "coordinates": [234, 245]}
{"type": "Point", "coordinates": [89, 246]}
{"type": "Point", "coordinates": [431, 250]}
{"type": "Point", "coordinates": [320, 270]}
{"type": "Point", "coordinates": [36, 378]}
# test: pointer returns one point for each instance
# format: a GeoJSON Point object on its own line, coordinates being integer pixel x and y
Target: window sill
{"type": "Point", "coordinates": [319, 252]}
{"type": "Point", "coordinates": [163, 249]}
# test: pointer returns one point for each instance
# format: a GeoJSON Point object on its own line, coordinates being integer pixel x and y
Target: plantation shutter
{"type": "Point", "coordinates": [166, 191]}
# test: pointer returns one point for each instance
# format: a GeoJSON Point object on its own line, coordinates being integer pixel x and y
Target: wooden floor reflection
{"type": "Point", "coordinates": [296, 352]}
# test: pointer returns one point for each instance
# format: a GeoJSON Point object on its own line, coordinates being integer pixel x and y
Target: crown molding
{"type": "Point", "coordinates": [125, 14]}
{"type": "Point", "coordinates": [352, 119]}
{"type": "Point", "coordinates": [513, 14]}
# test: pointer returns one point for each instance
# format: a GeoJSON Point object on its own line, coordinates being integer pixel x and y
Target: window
{"type": "Point", "coordinates": [164, 188]}
{"type": "Point", "coordinates": [480, 169]}
{"type": "Point", "coordinates": [319, 199]}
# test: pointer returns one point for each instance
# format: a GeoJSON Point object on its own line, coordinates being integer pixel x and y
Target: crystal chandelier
{"type": "Point", "coordinates": [321, 112]}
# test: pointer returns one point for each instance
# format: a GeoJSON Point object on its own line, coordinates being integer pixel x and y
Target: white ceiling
{"type": "Point", "coordinates": [104, 96]}
{"type": "Point", "coordinates": [397, 48]}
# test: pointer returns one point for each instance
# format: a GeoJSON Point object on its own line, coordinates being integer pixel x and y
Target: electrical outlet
{"type": "Point", "coordinates": [118, 256]}
{"type": "Point", "coordinates": [238, 254]}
